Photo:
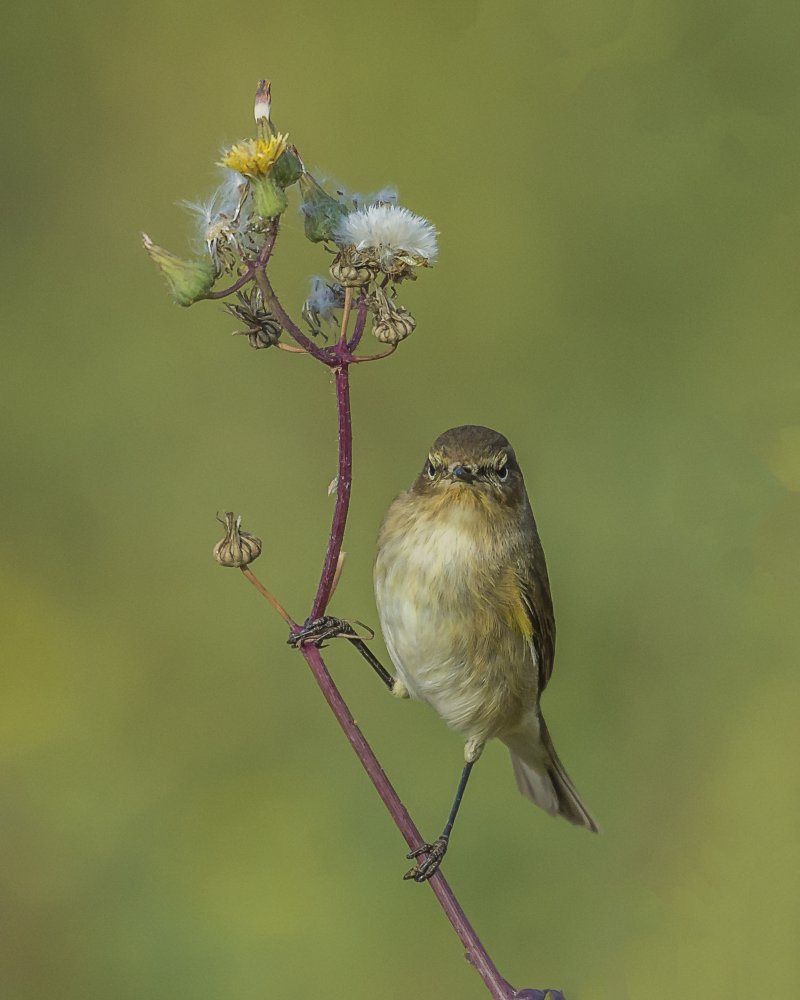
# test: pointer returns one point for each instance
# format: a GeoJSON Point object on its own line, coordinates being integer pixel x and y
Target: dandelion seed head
{"type": "Point", "coordinates": [389, 231]}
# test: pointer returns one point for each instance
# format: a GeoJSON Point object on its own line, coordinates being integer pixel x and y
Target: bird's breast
{"type": "Point", "coordinates": [451, 613]}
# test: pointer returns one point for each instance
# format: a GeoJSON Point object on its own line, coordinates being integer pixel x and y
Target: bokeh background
{"type": "Point", "coordinates": [616, 189]}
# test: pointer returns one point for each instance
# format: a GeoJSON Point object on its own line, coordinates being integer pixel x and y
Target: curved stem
{"type": "Point", "coordinates": [373, 357]}
{"type": "Point", "coordinates": [260, 262]}
{"type": "Point", "coordinates": [286, 321]}
{"type": "Point", "coordinates": [240, 283]}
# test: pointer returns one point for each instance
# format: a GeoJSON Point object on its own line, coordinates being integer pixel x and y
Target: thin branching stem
{"type": "Point", "coordinates": [348, 305]}
{"type": "Point", "coordinates": [252, 268]}
{"type": "Point", "coordinates": [273, 600]}
{"type": "Point", "coordinates": [360, 324]}
{"type": "Point", "coordinates": [344, 482]}
{"type": "Point", "coordinates": [288, 324]}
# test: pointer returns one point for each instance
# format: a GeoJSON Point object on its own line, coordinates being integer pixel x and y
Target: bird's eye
{"type": "Point", "coordinates": [502, 474]}
{"type": "Point", "coordinates": [430, 468]}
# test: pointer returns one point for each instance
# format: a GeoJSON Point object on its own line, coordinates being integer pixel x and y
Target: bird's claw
{"type": "Point", "coordinates": [434, 852]}
{"type": "Point", "coordinates": [315, 632]}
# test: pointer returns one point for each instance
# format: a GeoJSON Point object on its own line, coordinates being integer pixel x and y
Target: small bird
{"type": "Point", "coordinates": [464, 604]}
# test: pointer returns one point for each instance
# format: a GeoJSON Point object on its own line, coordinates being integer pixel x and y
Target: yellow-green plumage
{"type": "Point", "coordinates": [464, 603]}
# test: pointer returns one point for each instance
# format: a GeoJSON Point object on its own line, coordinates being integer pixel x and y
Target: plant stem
{"type": "Point", "coordinates": [250, 575]}
{"type": "Point", "coordinates": [252, 268]}
{"type": "Point", "coordinates": [348, 305]}
{"type": "Point", "coordinates": [286, 321]}
{"type": "Point", "coordinates": [361, 322]}
{"type": "Point", "coordinates": [343, 485]}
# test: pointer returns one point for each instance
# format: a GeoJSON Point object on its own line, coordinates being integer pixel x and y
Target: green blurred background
{"type": "Point", "coordinates": [616, 189]}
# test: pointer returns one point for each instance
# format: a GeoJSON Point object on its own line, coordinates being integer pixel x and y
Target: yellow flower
{"type": "Point", "coordinates": [255, 157]}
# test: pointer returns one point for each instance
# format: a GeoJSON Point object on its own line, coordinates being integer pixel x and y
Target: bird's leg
{"type": "Point", "coordinates": [328, 627]}
{"type": "Point", "coordinates": [435, 852]}
{"type": "Point", "coordinates": [395, 687]}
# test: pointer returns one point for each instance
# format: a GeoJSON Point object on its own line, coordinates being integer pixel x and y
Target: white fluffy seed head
{"type": "Point", "coordinates": [388, 229]}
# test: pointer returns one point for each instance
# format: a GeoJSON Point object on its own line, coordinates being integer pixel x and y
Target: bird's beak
{"type": "Point", "coordinates": [462, 474]}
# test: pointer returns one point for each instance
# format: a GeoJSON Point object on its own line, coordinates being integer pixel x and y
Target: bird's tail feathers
{"type": "Point", "coordinates": [542, 778]}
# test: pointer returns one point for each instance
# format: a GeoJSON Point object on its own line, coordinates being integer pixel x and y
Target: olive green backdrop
{"type": "Point", "coordinates": [616, 189]}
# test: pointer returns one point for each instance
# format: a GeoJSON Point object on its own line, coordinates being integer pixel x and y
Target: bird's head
{"type": "Point", "coordinates": [472, 463]}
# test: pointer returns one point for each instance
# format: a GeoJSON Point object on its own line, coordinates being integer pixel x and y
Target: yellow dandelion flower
{"type": "Point", "coordinates": [255, 157]}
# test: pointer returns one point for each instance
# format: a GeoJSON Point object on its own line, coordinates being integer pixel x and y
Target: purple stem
{"type": "Point", "coordinates": [344, 482]}
{"type": "Point", "coordinates": [287, 322]}
{"type": "Point", "coordinates": [225, 292]}
{"type": "Point", "coordinates": [361, 322]}
{"type": "Point", "coordinates": [250, 272]}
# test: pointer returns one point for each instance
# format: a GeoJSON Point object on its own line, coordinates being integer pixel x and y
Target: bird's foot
{"type": "Point", "coordinates": [434, 852]}
{"type": "Point", "coordinates": [315, 632]}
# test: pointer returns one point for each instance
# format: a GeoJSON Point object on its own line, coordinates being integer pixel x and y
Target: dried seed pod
{"type": "Point", "coordinates": [394, 326]}
{"type": "Point", "coordinates": [350, 269]}
{"type": "Point", "coordinates": [238, 548]}
{"type": "Point", "coordinates": [262, 327]}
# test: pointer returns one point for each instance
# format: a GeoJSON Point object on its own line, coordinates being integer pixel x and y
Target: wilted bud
{"type": "Point", "coordinates": [392, 323]}
{"type": "Point", "coordinates": [263, 102]}
{"type": "Point", "coordinates": [350, 269]}
{"type": "Point", "coordinates": [238, 548]}
{"type": "Point", "coordinates": [395, 327]}
{"type": "Point", "coordinates": [322, 212]}
{"type": "Point", "coordinates": [188, 280]}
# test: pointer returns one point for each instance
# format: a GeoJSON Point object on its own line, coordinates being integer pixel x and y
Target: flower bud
{"type": "Point", "coordinates": [238, 548]}
{"type": "Point", "coordinates": [188, 280]}
{"type": "Point", "coordinates": [289, 168]}
{"type": "Point", "coordinates": [263, 101]}
{"type": "Point", "coordinates": [322, 213]}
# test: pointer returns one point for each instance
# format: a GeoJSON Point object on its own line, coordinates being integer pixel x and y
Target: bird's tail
{"type": "Point", "coordinates": [541, 776]}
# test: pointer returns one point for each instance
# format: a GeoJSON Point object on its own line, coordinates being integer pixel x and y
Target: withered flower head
{"type": "Point", "coordinates": [238, 548]}
{"type": "Point", "coordinates": [392, 322]}
{"type": "Point", "coordinates": [352, 268]}
{"type": "Point", "coordinates": [262, 328]}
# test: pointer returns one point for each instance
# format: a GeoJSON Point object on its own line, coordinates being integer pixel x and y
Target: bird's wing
{"type": "Point", "coordinates": [535, 593]}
